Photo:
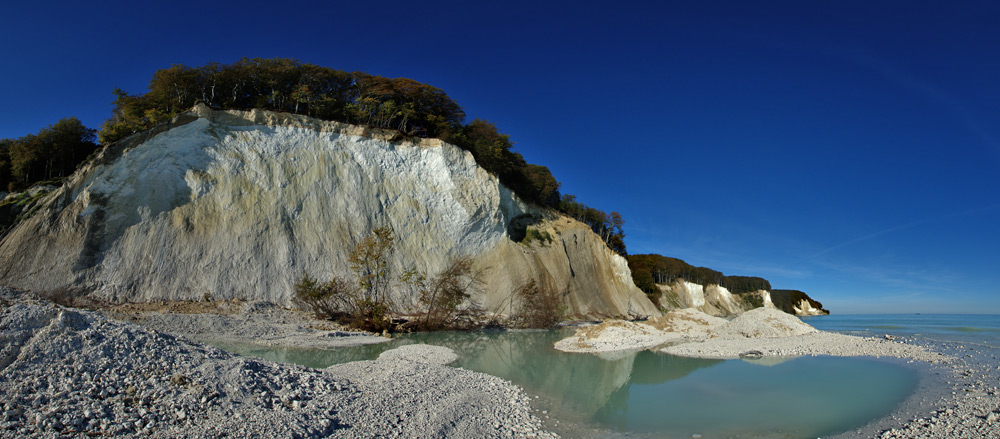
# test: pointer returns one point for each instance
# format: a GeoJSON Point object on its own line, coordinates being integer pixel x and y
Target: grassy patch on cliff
{"type": "Point", "coordinates": [532, 235]}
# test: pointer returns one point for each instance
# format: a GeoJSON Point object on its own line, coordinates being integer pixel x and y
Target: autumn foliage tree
{"type": "Point", "coordinates": [367, 303]}
{"type": "Point", "coordinates": [287, 85]}
{"type": "Point", "coordinates": [364, 303]}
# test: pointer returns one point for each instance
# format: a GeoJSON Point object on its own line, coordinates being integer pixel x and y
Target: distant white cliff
{"type": "Point", "coordinates": [243, 204]}
{"type": "Point", "coordinates": [718, 301]}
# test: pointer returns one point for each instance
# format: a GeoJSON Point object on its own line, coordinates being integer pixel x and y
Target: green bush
{"type": "Point", "coordinates": [531, 235]}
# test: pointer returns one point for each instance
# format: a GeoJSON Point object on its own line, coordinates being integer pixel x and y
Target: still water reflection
{"type": "Point", "coordinates": [655, 395]}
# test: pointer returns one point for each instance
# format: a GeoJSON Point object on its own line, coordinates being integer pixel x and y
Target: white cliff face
{"type": "Point", "coordinates": [682, 294]}
{"type": "Point", "coordinates": [243, 204]}
{"type": "Point", "coordinates": [713, 299]}
{"type": "Point", "coordinates": [723, 300]}
{"type": "Point", "coordinates": [805, 308]}
{"type": "Point", "coordinates": [766, 296]}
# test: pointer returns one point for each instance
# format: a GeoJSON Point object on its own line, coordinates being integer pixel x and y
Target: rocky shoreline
{"type": "Point", "coordinates": [961, 398]}
{"type": "Point", "coordinates": [74, 373]}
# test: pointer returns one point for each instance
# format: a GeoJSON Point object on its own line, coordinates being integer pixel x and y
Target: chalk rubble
{"type": "Point", "coordinates": [74, 373]}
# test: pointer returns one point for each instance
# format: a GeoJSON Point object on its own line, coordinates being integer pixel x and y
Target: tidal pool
{"type": "Point", "coordinates": [647, 394]}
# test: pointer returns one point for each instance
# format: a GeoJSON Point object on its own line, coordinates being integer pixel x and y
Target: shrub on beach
{"type": "Point", "coordinates": [366, 303]}
{"type": "Point", "coordinates": [540, 307]}
{"type": "Point", "coordinates": [445, 293]}
{"type": "Point", "coordinates": [334, 300]}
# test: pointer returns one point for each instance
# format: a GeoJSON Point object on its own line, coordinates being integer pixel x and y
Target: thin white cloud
{"type": "Point", "coordinates": [870, 236]}
{"type": "Point", "coordinates": [949, 103]}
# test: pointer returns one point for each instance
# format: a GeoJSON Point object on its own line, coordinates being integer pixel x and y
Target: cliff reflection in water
{"type": "Point", "coordinates": [656, 395]}
{"type": "Point", "coordinates": [574, 385]}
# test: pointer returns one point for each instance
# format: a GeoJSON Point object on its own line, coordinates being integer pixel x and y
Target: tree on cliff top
{"type": "Point", "coordinates": [287, 85]}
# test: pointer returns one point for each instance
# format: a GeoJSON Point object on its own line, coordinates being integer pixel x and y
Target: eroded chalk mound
{"type": "Point", "coordinates": [620, 335]}
{"type": "Point", "coordinates": [614, 335]}
{"type": "Point", "coordinates": [688, 322]}
{"type": "Point", "coordinates": [763, 323]}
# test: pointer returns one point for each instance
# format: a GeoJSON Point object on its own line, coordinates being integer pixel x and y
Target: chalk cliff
{"type": "Point", "coordinates": [718, 301]}
{"type": "Point", "coordinates": [798, 303]}
{"type": "Point", "coordinates": [243, 204]}
{"type": "Point", "coordinates": [712, 299]}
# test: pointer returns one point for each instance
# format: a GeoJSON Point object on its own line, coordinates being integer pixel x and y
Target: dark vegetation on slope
{"type": "Point", "coordinates": [43, 160]}
{"type": "Point", "coordinates": [651, 269]}
{"type": "Point", "coordinates": [51, 154]}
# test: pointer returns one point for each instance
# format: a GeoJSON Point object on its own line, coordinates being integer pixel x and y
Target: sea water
{"type": "Point", "coordinates": [647, 394]}
{"type": "Point", "coordinates": [981, 329]}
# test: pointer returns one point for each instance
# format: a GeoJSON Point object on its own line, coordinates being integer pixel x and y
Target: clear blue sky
{"type": "Point", "coordinates": [849, 149]}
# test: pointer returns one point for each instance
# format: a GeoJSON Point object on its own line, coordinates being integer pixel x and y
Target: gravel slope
{"type": "Point", "coordinates": [969, 408]}
{"type": "Point", "coordinates": [815, 343]}
{"type": "Point", "coordinates": [72, 373]}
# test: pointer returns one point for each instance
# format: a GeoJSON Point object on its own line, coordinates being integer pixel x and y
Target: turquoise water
{"type": "Point", "coordinates": [647, 394]}
{"type": "Point", "coordinates": [978, 329]}
{"type": "Point", "coordinates": [909, 324]}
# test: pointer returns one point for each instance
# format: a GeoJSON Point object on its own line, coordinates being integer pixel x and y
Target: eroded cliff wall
{"type": "Point", "coordinates": [712, 299]}
{"type": "Point", "coordinates": [718, 301]}
{"type": "Point", "coordinates": [243, 204]}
